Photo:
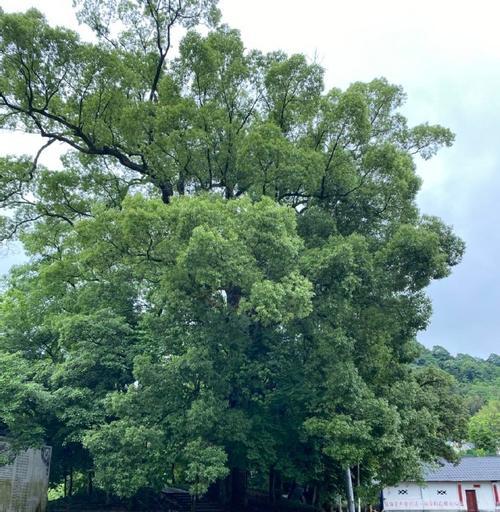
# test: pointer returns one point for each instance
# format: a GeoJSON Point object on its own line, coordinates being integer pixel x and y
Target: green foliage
{"type": "Point", "coordinates": [479, 383]}
{"type": "Point", "coordinates": [205, 465]}
{"type": "Point", "coordinates": [22, 401]}
{"type": "Point", "coordinates": [124, 456]}
{"type": "Point", "coordinates": [479, 379]}
{"type": "Point", "coordinates": [228, 274]}
{"type": "Point", "coordinates": [484, 428]}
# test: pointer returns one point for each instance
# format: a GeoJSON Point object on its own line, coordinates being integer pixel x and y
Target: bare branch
{"type": "Point", "coordinates": [38, 155]}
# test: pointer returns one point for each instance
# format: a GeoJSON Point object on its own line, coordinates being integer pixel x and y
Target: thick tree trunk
{"type": "Point", "coordinates": [275, 485]}
{"type": "Point", "coordinates": [278, 485]}
{"type": "Point", "coordinates": [311, 494]}
{"type": "Point", "coordinates": [238, 489]}
{"type": "Point", "coordinates": [181, 186]}
{"type": "Point", "coordinates": [217, 492]}
{"type": "Point", "coordinates": [233, 296]}
{"type": "Point", "coordinates": [226, 489]}
{"type": "Point", "coordinates": [315, 499]}
{"type": "Point", "coordinates": [166, 191]}
{"type": "Point", "coordinates": [272, 480]}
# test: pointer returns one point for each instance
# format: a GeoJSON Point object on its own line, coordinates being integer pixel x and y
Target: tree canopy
{"type": "Point", "coordinates": [479, 384]}
{"type": "Point", "coordinates": [227, 278]}
{"type": "Point", "coordinates": [484, 428]}
{"type": "Point", "coordinates": [479, 379]}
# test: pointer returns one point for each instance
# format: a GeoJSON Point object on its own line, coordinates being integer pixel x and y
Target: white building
{"type": "Point", "coordinates": [473, 485]}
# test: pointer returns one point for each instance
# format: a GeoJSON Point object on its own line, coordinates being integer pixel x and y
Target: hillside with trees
{"type": "Point", "coordinates": [226, 280]}
{"type": "Point", "coordinates": [479, 384]}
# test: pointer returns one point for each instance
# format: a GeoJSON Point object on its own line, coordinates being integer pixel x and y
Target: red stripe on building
{"type": "Point", "coordinates": [460, 497]}
{"type": "Point", "coordinates": [495, 490]}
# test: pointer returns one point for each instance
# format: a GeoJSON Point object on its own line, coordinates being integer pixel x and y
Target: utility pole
{"type": "Point", "coordinates": [350, 493]}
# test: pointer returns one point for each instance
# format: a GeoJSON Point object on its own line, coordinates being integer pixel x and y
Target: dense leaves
{"type": "Point", "coordinates": [479, 383]}
{"type": "Point", "coordinates": [227, 278]}
{"type": "Point", "coordinates": [479, 379]}
{"type": "Point", "coordinates": [484, 428]}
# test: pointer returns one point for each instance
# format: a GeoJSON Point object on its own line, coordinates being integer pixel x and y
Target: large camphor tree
{"type": "Point", "coordinates": [226, 279]}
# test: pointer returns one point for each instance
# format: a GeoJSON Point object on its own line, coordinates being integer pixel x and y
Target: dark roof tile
{"type": "Point", "coordinates": [468, 469]}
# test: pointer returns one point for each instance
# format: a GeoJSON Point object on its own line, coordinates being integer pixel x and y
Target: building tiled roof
{"type": "Point", "coordinates": [468, 469]}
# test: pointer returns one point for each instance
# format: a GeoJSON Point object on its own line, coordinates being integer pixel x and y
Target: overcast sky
{"type": "Point", "coordinates": [446, 55]}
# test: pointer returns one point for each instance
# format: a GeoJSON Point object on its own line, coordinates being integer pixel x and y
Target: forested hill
{"type": "Point", "coordinates": [479, 382]}
{"type": "Point", "coordinates": [479, 378]}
